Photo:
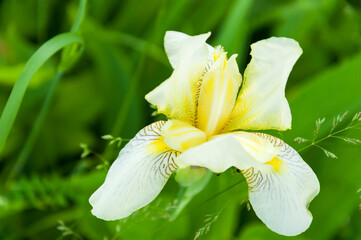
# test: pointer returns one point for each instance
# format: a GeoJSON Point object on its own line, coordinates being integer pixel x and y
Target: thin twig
{"type": "Point", "coordinates": [331, 134]}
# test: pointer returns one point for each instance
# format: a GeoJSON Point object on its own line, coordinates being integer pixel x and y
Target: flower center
{"type": "Point", "coordinates": [217, 93]}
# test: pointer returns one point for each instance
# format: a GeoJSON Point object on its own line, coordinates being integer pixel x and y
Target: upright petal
{"type": "Point", "coordinates": [136, 177]}
{"type": "Point", "coordinates": [218, 94]}
{"type": "Point", "coordinates": [173, 41]}
{"type": "Point", "coordinates": [177, 96]}
{"type": "Point", "coordinates": [261, 103]}
{"type": "Point", "coordinates": [280, 198]}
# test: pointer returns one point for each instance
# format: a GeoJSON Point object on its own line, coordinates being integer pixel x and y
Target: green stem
{"type": "Point", "coordinates": [204, 202]}
{"type": "Point", "coordinates": [315, 143]}
{"type": "Point", "coordinates": [31, 140]}
{"type": "Point", "coordinates": [221, 192]}
{"type": "Point", "coordinates": [212, 197]}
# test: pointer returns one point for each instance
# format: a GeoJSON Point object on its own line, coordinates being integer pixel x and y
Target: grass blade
{"type": "Point", "coordinates": [234, 32]}
{"type": "Point", "coordinates": [79, 16]}
{"type": "Point", "coordinates": [12, 106]}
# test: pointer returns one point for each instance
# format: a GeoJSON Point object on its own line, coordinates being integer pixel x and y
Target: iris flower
{"type": "Point", "coordinates": [209, 110]}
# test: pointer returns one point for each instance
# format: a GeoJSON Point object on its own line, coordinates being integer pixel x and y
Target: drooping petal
{"type": "Point", "coordinates": [177, 96]}
{"type": "Point", "coordinates": [280, 198]}
{"type": "Point", "coordinates": [261, 103]}
{"type": "Point", "coordinates": [281, 184]}
{"type": "Point", "coordinates": [240, 149]}
{"type": "Point", "coordinates": [218, 94]}
{"type": "Point", "coordinates": [137, 175]}
{"type": "Point", "coordinates": [173, 41]}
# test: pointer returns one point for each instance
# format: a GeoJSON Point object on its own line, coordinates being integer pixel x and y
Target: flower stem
{"type": "Point", "coordinates": [331, 134]}
{"type": "Point", "coordinates": [212, 197]}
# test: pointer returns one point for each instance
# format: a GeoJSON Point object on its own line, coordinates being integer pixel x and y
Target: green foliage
{"type": "Point", "coordinates": [111, 56]}
{"type": "Point", "coordinates": [113, 140]}
{"type": "Point", "coordinates": [66, 231]}
{"type": "Point", "coordinates": [353, 124]}
{"type": "Point", "coordinates": [210, 219]}
{"type": "Point", "coordinates": [35, 62]}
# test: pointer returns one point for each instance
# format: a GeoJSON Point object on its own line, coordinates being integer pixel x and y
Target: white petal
{"type": "Point", "coordinates": [261, 103]}
{"type": "Point", "coordinates": [281, 184]}
{"type": "Point", "coordinates": [173, 41]}
{"type": "Point", "coordinates": [280, 198]}
{"type": "Point", "coordinates": [177, 96]}
{"type": "Point", "coordinates": [137, 175]}
{"type": "Point", "coordinates": [241, 149]}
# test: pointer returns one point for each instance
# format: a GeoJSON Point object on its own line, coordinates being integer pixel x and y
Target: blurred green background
{"type": "Point", "coordinates": [44, 188]}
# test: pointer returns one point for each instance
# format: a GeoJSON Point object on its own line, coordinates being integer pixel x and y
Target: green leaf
{"type": "Point", "coordinates": [37, 60]}
{"type": "Point", "coordinates": [108, 137]}
{"type": "Point", "coordinates": [80, 16]}
{"type": "Point", "coordinates": [71, 54]}
{"type": "Point", "coordinates": [234, 32]}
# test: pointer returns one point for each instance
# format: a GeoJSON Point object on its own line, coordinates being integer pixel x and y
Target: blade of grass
{"type": "Point", "coordinates": [29, 144]}
{"type": "Point", "coordinates": [79, 16]}
{"type": "Point", "coordinates": [12, 106]}
{"type": "Point", "coordinates": [235, 30]}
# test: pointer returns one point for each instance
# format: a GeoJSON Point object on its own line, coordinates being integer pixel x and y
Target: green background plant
{"type": "Point", "coordinates": [101, 90]}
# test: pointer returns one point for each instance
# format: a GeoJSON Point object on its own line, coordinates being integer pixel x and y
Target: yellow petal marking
{"type": "Point", "coordinates": [217, 53]}
{"type": "Point", "coordinates": [180, 135]}
{"type": "Point", "coordinates": [276, 163]}
{"type": "Point", "coordinates": [157, 146]}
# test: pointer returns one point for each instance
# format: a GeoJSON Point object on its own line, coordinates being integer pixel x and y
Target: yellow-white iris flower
{"type": "Point", "coordinates": [208, 119]}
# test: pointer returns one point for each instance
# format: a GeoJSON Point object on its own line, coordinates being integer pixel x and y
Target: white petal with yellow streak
{"type": "Point", "coordinates": [218, 94]}
{"type": "Point", "coordinates": [136, 177]}
{"type": "Point", "coordinates": [281, 184]}
{"type": "Point", "coordinates": [261, 103]}
{"type": "Point", "coordinates": [280, 198]}
{"type": "Point", "coordinates": [177, 96]}
{"type": "Point", "coordinates": [239, 149]}
{"type": "Point", "coordinates": [180, 136]}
